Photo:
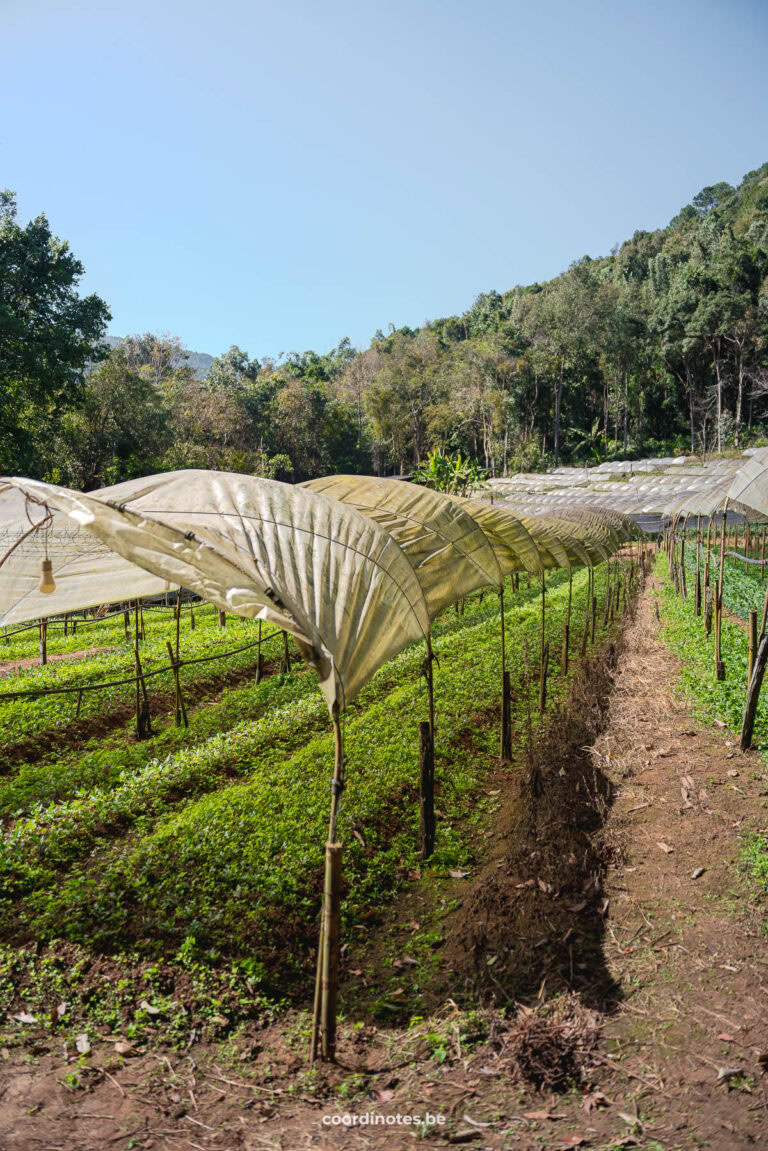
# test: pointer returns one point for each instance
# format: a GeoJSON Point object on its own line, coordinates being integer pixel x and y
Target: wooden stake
{"type": "Point", "coordinates": [506, 718]}
{"type": "Point", "coordinates": [752, 643]}
{"type": "Point", "coordinates": [697, 593]}
{"type": "Point", "coordinates": [753, 694]}
{"type": "Point", "coordinates": [567, 629]}
{"type": "Point", "coordinates": [324, 1014]}
{"type": "Point", "coordinates": [143, 723]}
{"type": "Point", "coordinates": [259, 660]}
{"type": "Point", "coordinates": [426, 790]}
{"type": "Point", "coordinates": [719, 665]}
{"type": "Point", "coordinates": [429, 675]}
{"type": "Point", "coordinates": [505, 749]}
{"type": "Point", "coordinates": [286, 654]}
{"type": "Point", "coordinates": [543, 617]}
{"type": "Point", "coordinates": [331, 934]}
{"type": "Point", "coordinates": [43, 642]}
{"type": "Point", "coordinates": [543, 679]}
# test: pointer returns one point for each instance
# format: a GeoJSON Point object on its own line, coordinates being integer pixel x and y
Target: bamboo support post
{"type": "Point", "coordinates": [259, 660]}
{"type": "Point", "coordinates": [752, 651]}
{"type": "Point", "coordinates": [181, 711]}
{"type": "Point", "coordinates": [543, 620]}
{"type": "Point", "coordinates": [765, 614]}
{"type": "Point", "coordinates": [567, 629]}
{"type": "Point", "coordinates": [331, 935]}
{"type": "Point", "coordinates": [753, 693]}
{"type": "Point", "coordinates": [426, 790]}
{"type": "Point", "coordinates": [608, 600]}
{"type": "Point", "coordinates": [505, 749]}
{"type": "Point", "coordinates": [543, 679]}
{"type": "Point", "coordinates": [697, 591]}
{"type": "Point", "coordinates": [43, 642]}
{"type": "Point", "coordinates": [506, 717]}
{"type": "Point", "coordinates": [429, 675]}
{"type": "Point", "coordinates": [143, 724]}
{"type": "Point", "coordinates": [719, 665]}
{"type": "Point", "coordinates": [585, 636]}
{"type": "Point", "coordinates": [286, 654]}
{"type": "Point", "coordinates": [327, 978]}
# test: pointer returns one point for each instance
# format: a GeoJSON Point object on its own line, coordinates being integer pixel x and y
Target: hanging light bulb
{"type": "Point", "coordinates": [47, 582]}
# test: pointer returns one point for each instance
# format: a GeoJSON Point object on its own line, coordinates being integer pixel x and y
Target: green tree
{"type": "Point", "coordinates": [48, 335]}
{"type": "Point", "coordinates": [119, 430]}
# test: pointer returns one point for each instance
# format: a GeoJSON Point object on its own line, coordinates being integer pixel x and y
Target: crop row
{"type": "Point", "coordinates": [219, 845]}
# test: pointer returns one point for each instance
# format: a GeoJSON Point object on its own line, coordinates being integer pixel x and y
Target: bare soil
{"type": "Point", "coordinates": [630, 959]}
{"type": "Point", "coordinates": [10, 665]}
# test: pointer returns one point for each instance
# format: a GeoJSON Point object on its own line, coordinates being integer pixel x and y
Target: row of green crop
{"type": "Point", "coordinates": [62, 771]}
{"type": "Point", "coordinates": [713, 700]}
{"type": "Point", "coordinates": [175, 854]}
{"type": "Point", "coordinates": [33, 717]}
{"type": "Point", "coordinates": [743, 585]}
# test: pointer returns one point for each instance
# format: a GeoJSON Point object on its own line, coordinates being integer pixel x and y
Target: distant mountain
{"type": "Point", "coordinates": [199, 362]}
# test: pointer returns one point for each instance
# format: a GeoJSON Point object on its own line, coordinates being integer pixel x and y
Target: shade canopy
{"type": "Point", "coordinates": [258, 548]}
{"type": "Point", "coordinates": [449, 552]}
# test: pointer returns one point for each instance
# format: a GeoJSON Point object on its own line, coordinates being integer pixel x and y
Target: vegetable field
{"type": "Point", "coordinates": [204, 844]}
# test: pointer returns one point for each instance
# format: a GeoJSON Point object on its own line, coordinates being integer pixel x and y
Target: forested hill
{"type": "Point", "coordinates": [199, 362]}
{"type": "Point", "coordinates": [660, 346]}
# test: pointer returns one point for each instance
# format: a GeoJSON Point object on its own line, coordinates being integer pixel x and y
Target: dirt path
{"type": "Point", "coordinates": [678, 995]}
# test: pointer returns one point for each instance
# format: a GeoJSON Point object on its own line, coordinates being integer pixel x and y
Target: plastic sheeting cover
{"type": "Point", "coordinates": [258, 548]}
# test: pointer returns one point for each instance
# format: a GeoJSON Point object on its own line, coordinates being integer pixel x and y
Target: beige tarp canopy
{"type": "Point", "coordinates": [448, 551]}
{"type": "Point", "coordinates": [353, 567]}
{"type": "Point", "coordinates": [258, 548]}
{"type": "Point", "coordinates": [749, 488]}
{"type": "Point", "coordinates": [513, 545]}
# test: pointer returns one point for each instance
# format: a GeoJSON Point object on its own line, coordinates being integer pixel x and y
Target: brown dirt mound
{"type": "Point", "coordinates": [534, 918]}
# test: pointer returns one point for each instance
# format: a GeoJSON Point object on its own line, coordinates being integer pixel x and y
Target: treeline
{"type": "Point", "coordinates": [660, 346]}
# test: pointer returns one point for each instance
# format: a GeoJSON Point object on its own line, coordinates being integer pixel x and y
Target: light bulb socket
{"type": "Point", "coordinates": [47, 582]}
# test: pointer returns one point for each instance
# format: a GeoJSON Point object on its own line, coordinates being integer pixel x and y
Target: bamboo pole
{"type": "Point", "coordinates": [753, 694]}
{"type": "Point", "coordinates": [697, 593]}
{"type": "Point", "coordinates": [505, 749]}
{"type": "Point", "coordinates": [327, 978]}
{"type": "Point", "coordinates": [429, 675]}
{"type": "Point", "coordinates": [43, 644]}
{"type": "Point", "coordinates": [567, 628]}
{"type": "Point", "coordinates": [143, 723]}
{"type": "Point", "coordinates": [543, 619]}
{"type": "Point", "coordinates": [259, 660]}
{"type": "Point", "coordinates": [426, 790]}
{"type": "Point", "coordinates": [543, 679]}
{"type": "Point", "coordinates": [719, 665]}
{"type": "Point", "coordinates": [752, 643]}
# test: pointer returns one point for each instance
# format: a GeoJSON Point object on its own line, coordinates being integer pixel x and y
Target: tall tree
{"type": "Point", "coordinates": [48, 335]}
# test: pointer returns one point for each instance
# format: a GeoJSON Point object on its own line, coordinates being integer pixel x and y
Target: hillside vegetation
{"type": "Point", "coordinates": [660, 345]}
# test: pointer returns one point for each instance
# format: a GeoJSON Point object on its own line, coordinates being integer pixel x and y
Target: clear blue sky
{"type": "Point", "coordinates": [279, 175]}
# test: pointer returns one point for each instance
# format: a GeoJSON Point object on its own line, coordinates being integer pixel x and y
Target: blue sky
{"type": "Point", "coordinates": [280, 175]}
